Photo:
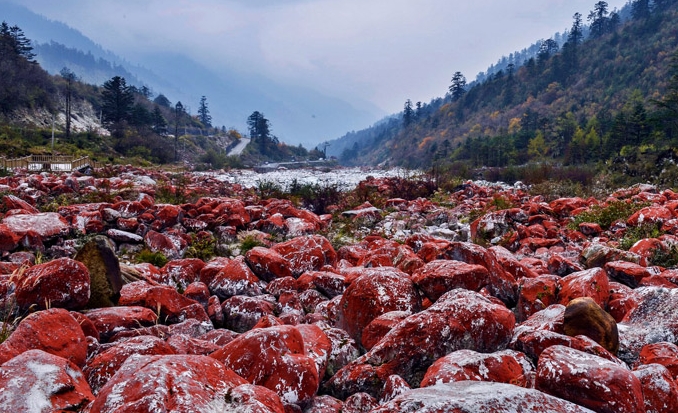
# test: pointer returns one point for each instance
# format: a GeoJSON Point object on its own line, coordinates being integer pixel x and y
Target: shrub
{"type": "Point", "coordinates": [156, 258]}
{"type": "Point", "coordinates": [606, 215]}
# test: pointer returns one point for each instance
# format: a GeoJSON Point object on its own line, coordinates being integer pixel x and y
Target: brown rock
{"type": "Point", "coordinates": [98, 255]}
{"type": "Point", "coordinates": [583, 316]}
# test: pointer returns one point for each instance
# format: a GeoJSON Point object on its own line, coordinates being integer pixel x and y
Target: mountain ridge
{"type": "Point", "coordinates": [298, 116]}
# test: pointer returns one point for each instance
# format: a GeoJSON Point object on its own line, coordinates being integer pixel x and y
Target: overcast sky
{"type": "Point", "coordinates": [382, 51]}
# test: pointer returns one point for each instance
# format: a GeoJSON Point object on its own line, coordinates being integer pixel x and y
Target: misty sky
{"type": "Point", "coordinates": [381, 51]}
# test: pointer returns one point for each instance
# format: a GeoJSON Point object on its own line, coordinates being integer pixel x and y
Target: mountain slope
{"type": "Point", "coordinates": [556, 108]}
{"type": "Point", "coordinates": [298, 116]}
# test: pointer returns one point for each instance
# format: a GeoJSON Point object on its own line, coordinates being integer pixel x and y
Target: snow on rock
{"type": "Point", "coordinates": [471, 396]}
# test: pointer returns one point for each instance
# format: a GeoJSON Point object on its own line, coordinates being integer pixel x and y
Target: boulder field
{"type": "Point", "coordinates": [489, 299]}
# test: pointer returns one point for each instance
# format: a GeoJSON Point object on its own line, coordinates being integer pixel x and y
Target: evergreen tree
{"type": "Point", "coordinates": [14, 40]}
{"type": "Point", "coordinates": [408, 113]}
{"type": "Point", "coordinates": [640, 9]}
{"type": "Point", "coordinates": [668, 104]}
{"type": "Point", "coordinates": [70, 77]}
{"type": "Point", "coordinates": [159, 121]}
{"type": "Point", "coordinates": [458, 86]}
{"type": "Point", "coordinates": [117, 101]}
{"type": "Point", "coordinates": [162, 100]}
{"type": "Point", "coordinates": [204, 113]}
{"type": "Point", "coordinates": [259, 128]}
{"type": "Point", "coordinates": [598, 18]}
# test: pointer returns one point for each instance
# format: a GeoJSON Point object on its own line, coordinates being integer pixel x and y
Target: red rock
{"type": "Point", "coordinates": [13, 202]}
{"type": "Point", "coordinates": [168, 304]}
{"type": "Point", "coordinates": [86, 325]}
{"type": "Point", "coordinates": [394, 387]}
{"type": "Point", "coordinates": [54, 331]}
{"type": "Point", "coordinates": [219, 336]}
{"type": "Point", "coordinates": [214, 311]}
{"type": "Point", "coordinates": [590, 229]}
{"type": "Point", "coordinates": [660, 391]}
{"type": "Point", "coordinates": [664, 353]}
{"type": "Point", "coordinates": [274, 358]}
{"type": "Point", "coordinates": [344, 349]}
{"type": "Point", "coordinates": [324, 404]}
{"type": "Point", "coordinates": [588, 283]}
{"type": "Point", "coordinates": [46, 225]}
{"type": "Point", "coordinates": [242, 313]}
{"type": "Point", "coordinates": [415, 343]}
{"type": "Point", "coordinates": [212, 268]}
{"type": "Point", "coordinates": [511, 264]}
{"type": "Point", "coordinates": [440, 276]}
{"type": "Point", "coordinates": [180, 273]}
{"type": "Point", "coordinates": [588, 381]}
{"type": "Point", "coordinates": [61, 283]}
{"type": "Point", "coordinates": [316, 345]}
{"type": "Point", "coordinates": [352, 253]}
{"type": "Point", "coordinates": [129, 209]}
{"type": "Point", "coordinates": [627, 273]}
{"type": "Point", "coordinates": [307, 253]}
{"type": "Point", "coordinates": [505, 366]}
{"type": "Point", "coordinates": [359, 403]}
{"type": "Point", "coordinates": [198, 292]}
{"type": "Point", "coordinates": [103, 366]}
{"type": "Point", "coordinates": [622, 300]}
{"type": "Point", "coordinates": [535, 294]}
{"type": "Point", "coordinates": [111, 320]}
{"type": "Point", "coordinates": [501, 283]}
{"type": "Point", "coordinates": [274, 224]}
{"type": "Point", "coordinates": [39, 381]}
{"type": "Point", "coordinates": [235, 278]}
{"type": "Point", "coordinates": [9, 240]}
{"type": "Point", "coordinates": [160, 331]}
{"type": "Point", "coordinates": [380, 326]}
{"type": "Point", "coordinates": [167, 215]}
{"type": "Point", "coordinates": [328, 283]}
{"type": "Point", "coordinates": [562, 266]}
{"type": "Point", "coordinates": [646, 249]}
{"type": "Point", "coordinates": [180, 383]}
{"type": "Point", "coordinates": [267, 264]}
{"type": "Point", "coordinates": [473, 396]}
{"type": "Point", "coordinates": [158, 242]}
{"type": "Point", "coordinates": [89, 222]}
{"type": "Point", "coordinates": [650, 214]}
{"type": "Point", "coordinates": [281, 285]}
{"type": "Point", "coordinates": [310, 299]}
{"type": "Point", "coordinates": [563, 207]}
{"type": "Point", "coordinates": [370, 296]}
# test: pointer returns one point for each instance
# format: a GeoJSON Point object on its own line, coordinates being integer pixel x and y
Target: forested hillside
{"type": "Point", "coordinates": [607, 97]}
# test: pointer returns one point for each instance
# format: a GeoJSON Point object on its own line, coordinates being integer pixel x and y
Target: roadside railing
{"type": "Point", "coordinates": [59, 163]}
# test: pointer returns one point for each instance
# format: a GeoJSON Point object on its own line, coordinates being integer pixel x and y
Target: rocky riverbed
{"type": "Point", "coordinates": [487, 299]}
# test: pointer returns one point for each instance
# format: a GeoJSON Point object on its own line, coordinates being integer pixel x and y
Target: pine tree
{"type": "Point", "coordinates": [204, 113]}
{"type": "Point", "coordinates": [408, 113]}
{"type": "Point", "coordinates": [458, 86]}
{"type": "Point", "coordinates": [117, 101]}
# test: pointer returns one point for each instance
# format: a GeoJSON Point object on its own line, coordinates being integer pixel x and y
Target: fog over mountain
{"type": "Point", "coordinates": [315, 68]}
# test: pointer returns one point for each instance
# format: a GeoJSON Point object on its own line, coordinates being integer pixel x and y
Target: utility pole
{"type": "Point", "coordinates": [53, 120]}
{"type": "Point", "coordinates": [177, 111]}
